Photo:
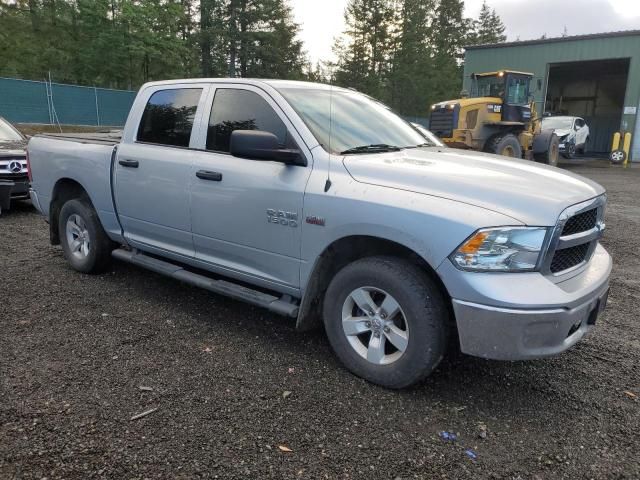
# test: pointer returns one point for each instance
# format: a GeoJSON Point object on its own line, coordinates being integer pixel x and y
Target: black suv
{"type": "Point", "coordinates": [14, 178]}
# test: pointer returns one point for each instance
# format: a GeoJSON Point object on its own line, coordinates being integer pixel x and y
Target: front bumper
{"type": "Point", "coordinates": [526, 315]}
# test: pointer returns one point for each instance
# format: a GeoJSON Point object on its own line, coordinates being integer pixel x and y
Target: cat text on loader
{"type": "Point", "coordinates": [499, 116]}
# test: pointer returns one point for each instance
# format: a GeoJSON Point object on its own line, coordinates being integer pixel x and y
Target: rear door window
{"type": "Point", "coordinates": [236, 109]}
{"type": "Point", "coordinates": [168, 117]}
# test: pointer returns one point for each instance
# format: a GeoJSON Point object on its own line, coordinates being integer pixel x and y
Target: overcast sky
{"type": "Point", "coordinates": [322, 20]}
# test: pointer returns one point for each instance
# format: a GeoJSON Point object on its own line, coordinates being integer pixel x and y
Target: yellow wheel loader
{"type": "Point", "coordinates": [497, 117]}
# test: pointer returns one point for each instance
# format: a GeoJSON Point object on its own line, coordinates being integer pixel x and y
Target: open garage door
{"type": "Point", "coordinates": [593, 90]}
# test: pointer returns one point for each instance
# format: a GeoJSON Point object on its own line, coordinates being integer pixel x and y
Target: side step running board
{"type": "Point", "coordinates": [223, 287]}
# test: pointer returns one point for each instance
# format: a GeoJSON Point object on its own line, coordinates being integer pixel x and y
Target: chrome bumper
{"type": "Point", "coordinates": [526, 316]}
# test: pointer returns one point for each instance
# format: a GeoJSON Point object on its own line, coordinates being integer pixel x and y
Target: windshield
{"type": "Point", "coordinates": [342, 120]}
{"type": "Point", "coordinates": [8, 133]}
{"type": "Point", "coordinates": [490, 86]}
{"type": "Point", "coordinates": [517, 90]}
{"type": "Point", "coordinates": [558, 122]}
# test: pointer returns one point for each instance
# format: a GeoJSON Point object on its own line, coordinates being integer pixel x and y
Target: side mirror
{"type": "Point", "coordinates": [259, 145]}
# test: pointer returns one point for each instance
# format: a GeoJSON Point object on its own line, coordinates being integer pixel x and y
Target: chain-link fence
{"type": "Point", "coordinates": [28, 101]}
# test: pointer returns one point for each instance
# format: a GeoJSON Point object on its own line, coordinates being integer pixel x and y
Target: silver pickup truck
{"type": "Point", "coordinates": [321, 204]}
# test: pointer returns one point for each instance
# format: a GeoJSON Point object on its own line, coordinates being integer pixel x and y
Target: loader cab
{"type": "Point", "coordinates": [511, 88]}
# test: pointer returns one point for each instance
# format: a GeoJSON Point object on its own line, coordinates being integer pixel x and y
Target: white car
{"type": "Point", "coordinates": [573, 133]}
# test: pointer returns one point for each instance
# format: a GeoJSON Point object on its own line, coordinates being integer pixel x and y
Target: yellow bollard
{"type": "Point", "coordinates": [626, 146]}
{"type": "Point", "coordinates": [615, 144]}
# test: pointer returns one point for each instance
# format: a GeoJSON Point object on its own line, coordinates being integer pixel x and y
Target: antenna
{"type": "Point", "coordinates": [327, 184]}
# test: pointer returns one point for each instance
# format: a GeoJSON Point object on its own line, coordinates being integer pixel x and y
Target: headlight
{"type": "Point", "coordinates": [506, 249]}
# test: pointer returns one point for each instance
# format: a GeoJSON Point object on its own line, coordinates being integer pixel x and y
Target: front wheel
{"type": "Point", "coordinates": [386, 321]}
{"type": "Point", "coordinates": [569, 150]}
{"type": "Point", "coordinates": [85, 244]}
{"type": "Point", "coordinates": [507, 146]}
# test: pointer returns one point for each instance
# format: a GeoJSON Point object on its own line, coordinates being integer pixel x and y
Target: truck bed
{"type": "Point", "coordinates": [82, 158]}
{"type": "Point", "coordinates": [101, 138]}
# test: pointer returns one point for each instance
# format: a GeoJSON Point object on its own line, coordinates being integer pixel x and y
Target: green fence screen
{"type": "Point", "coordinates": [28, 101]}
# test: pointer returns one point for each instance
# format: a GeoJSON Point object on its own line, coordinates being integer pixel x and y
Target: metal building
{"type": "Point", "coordinates": [596, 77]}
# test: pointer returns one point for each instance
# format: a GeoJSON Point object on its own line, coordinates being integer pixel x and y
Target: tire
{"type": "Point", "coordinates": [569, 151]}
{"type": "Point", "coordinates": [422, 321]}
{"type": "Point", "coordinates": [552, 153]}
{"type": "Point", "coordinates": [94, 253]}
{"type": "Point", "coordinates": [618, 156]}
{"type": "Point", "coordinates": [505, 145]}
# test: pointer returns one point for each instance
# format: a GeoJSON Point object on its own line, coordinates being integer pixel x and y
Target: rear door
{"type": "Point", "coordinates": [246, 214]}
{"type": "Point", "coordinates": [153, 167]}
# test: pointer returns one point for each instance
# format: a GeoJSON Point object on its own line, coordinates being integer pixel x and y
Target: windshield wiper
{"type": "Point", "coordinates": [374, 148]}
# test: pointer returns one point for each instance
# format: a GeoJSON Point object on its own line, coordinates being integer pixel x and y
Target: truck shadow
{"type": "Point", "coordinates": [458, 380]}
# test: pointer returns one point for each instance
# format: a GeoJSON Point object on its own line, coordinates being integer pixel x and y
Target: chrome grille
{"type": "Point", "coordinates": [568, 258]}
{"type": "Point", "coordinates": [575, 237]}
{"type": "Point", "coordinates": [581, 222]}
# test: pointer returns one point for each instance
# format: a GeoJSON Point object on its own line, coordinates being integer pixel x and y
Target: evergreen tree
{"type": "Point", "coordinates": [450, 34]}
{"type": "Point", "coordinates": [488, 28]}
{"type": "Point", "coordinates": [364, 59]}
{"type": "Point", "coordinates": [123, 43]}
{"type": "Point", "coordinates": [413, 58]}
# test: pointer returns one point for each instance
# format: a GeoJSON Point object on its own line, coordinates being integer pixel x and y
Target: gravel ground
{"type": "Point", "coordinates": [76, 350]}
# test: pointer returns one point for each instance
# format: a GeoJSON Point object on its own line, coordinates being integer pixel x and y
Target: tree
{"type": "Point", "coordinates": [364, 59]}
{"type": "Point", "coordinates": [450, 34]}
{"type": "Point", "coordinates": [123, 43]}
{"type": "Point", "coordinates": [413, 58]}
{"type": "Point", "coordinates": [488, 28]}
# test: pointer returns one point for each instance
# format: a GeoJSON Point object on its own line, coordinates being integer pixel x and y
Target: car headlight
{"type": "Point", "coordinates": [504, 249]}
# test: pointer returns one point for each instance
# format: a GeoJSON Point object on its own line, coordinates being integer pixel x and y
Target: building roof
{"type": "Point", "coordinates": [591, 36]}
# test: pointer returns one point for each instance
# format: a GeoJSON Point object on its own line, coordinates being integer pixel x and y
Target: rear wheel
{"type": "Point", "coordinates": [84, 242]}
{"type": "Point", "coordinates": [505, 145]}
{"type": "Point", "coordinates": [386, 321]}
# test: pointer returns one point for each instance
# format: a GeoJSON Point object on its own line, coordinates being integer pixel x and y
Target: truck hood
{"type": "Point", "coordinates": [530, 193]}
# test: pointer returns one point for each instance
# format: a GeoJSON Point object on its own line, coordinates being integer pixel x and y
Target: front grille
{"type": "Point", "coordinates": [581, 223]}
{"type": "Point", "coordinates": [569, 257]}
{"type": "Point", "coordinates": [441, 122]}
{"type": "Point", "coordinates": [16, 177]}
{"type": "Point", "coordinates": [576, 236]}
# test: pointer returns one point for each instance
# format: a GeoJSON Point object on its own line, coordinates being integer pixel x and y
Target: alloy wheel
{"type": "Point", "coordinates": [375, 325]}
{"type": "Point", "coordinates": [78, 237]}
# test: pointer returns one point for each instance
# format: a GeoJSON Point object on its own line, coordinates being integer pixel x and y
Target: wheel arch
{"type": "Point", "coordinates": [65, 189]}
{"type": "Point", "coordinates": [340, 253]}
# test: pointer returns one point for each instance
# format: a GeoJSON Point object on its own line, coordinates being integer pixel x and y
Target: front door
{"type": "Point", "coordinates": [246, 214]}
{"type": "Point", "coordinates": [151, 183]}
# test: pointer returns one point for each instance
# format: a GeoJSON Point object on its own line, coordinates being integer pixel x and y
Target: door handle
{"type": "Point", "coordinates": [207, 175]}
{"type": "Point", "coordinates": [128, 163]}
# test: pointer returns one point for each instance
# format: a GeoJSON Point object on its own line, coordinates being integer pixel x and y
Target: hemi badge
{"type": "Point", "coordinates": [313, 220]}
